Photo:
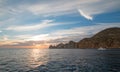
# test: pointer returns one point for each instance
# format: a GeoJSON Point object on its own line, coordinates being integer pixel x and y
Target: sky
{"type": "Point", "coordinates": [40, 23]}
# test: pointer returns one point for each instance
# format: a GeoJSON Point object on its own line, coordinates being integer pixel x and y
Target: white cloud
{"type": "Point", "coordinates": [38, 9]}
{"type": "Point", "coordinates": [75, 34]}
{"type": "Point", "coordinates": [44, 24]}
{"type": "Point", "coordinates": [89, 7]}
{"type": "Point", "coordinates": [100, 6]}
{"type": "Point", "coordinates": [5, 38]}
{"type": "Point", "coordinates": [66, 35]}
{"type": "Point", "coordinates": [38, 37]}
{"type": "Point", "coordinates": [22, 37]}
{"type": "Point", "coordinates": [87, 29]}
{"type": "Point", "coordinates": [85, 15]}
{"type": "Point", "coordinates": [56, 7]}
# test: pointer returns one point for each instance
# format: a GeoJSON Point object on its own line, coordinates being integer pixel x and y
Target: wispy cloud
{"type": "Point", "coordinates": [75, 33]}
{"type": "Point", "coordinates": [86, 29]}
{"type": "Point", "coordinates": [91, 7]}
{"type": "Point", "coordinates": [78, 33]}
{"type": "Point", "coordinates": [5, 37]}
{"type": "Point", "coordinates": [64, 36]}
{"type": "Point", "coordinates": [85, 15]}
{"type": "Point", "coordinates": [39, 37]}
{"type": "Point", "coordinates": [43, 24]}
{"type": "Point", "coordinates": [55, 8]}
{"type": "Point", "coordinates": [30, 37]}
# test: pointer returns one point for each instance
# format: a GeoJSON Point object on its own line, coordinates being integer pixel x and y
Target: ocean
{"type": "Point", "coordinates": [59, 60]}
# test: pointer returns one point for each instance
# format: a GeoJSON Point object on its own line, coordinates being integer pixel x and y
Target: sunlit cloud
{"type": "Point", "coordinates": [38, 37]}
{"type": "Point", "coordinates": [9, 42]}
{"type": "Point", "coordinates": [85, 15]}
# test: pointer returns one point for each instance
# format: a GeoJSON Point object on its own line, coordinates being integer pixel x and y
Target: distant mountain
{"type": "Point", "coordinates": [71, 44]}
{"type": "Point", "coordinates": [108, 38]}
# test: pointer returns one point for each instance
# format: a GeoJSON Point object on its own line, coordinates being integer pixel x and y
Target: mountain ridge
{"type": "Point", "coordinates": [107, 38]}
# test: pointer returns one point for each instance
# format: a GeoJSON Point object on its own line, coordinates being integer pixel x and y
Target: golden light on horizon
{"type": "Point", "coordinates": [40, 45]}
{"type": "Point", "coordinates": [42, 37]}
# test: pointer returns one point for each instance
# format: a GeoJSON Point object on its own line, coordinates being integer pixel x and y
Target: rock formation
{"type": "Point", "coordinates": [108, 38]}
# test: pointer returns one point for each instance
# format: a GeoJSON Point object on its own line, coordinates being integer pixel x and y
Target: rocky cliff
{"type": "Point", "coordinates": [108, 38]}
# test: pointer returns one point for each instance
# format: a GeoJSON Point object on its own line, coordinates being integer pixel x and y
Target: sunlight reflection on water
{"type": "Point", "coordinates": [37, 57]}
{"type": "Point", "coordinates": [59, 60]}
{"type": "Point", "coordinates": [22, 59]}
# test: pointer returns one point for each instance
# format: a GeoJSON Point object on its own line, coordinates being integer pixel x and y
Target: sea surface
{"type": "Point", "coordinates": [59, 60]}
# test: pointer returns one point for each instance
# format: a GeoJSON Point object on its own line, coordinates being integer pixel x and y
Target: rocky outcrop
{"type": "Point", "coordinates": [71, 44]}
{"type": "Point", "coordinates": [108, 38]}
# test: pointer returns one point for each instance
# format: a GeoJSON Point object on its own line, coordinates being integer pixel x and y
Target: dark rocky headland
{"type": "Point", "coordinates": [108, 38]}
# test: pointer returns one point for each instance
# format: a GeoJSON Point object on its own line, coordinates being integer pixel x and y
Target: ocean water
{"type": "Point", "coordinates": [59, 60]}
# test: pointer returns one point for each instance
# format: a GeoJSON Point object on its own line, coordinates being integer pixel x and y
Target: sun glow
{"type": "Point", "coordinates": [39, 37]}
{"type": "Point", "coordinates": [40, 45]}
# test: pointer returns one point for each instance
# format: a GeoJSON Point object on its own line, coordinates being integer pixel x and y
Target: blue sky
{"type": "Point", "coordinates": [44, 22]}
